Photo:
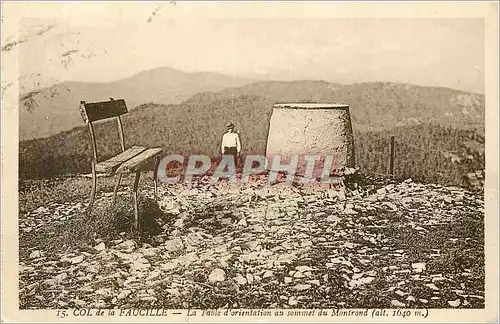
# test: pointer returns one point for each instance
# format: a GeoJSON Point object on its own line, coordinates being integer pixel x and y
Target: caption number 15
{"type": "Point", "coordinates": [62, 313]}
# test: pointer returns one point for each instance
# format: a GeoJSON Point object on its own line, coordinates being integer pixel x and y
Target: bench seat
{"type": "Point", "coordinates": [131, 160]}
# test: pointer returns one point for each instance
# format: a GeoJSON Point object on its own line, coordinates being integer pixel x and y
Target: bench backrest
{"type": "Point", "coordinates": [95, 111]}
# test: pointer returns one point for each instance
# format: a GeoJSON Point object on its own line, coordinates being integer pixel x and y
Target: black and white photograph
{"type": "Point", "coordinates": [249, 161]}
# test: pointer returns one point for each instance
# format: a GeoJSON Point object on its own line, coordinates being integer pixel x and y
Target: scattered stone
{"type": "Point", "coordinates": [314, 282]}
{"type": "Point", "coordinates": [50, 282]}
{"type": "Point", "coordinates": [333, 218]}
{"type": "Point", "coordinates": [397, 303]}
{"type": "Point", "coordinates": [392, 206]}
{"type": "Point", "coordinates": [100, 304]}
{"type": "Point", "coordinates": [418, 267]}
{"type": "Point", "coordinates": [301, 287]}
{"type": "Point", "coordinates": [400, 293]}
{"type": "Point", "coordinates": [303, 268]}
{"type": "Point", "coordinates": [92, 269]}
{"type": "Point", "coordinates": [240, 280]}
{"type": "Point", "coordinates": [101, 246]}
{"type": "Point", "coordinates": [389, 187]}
{"type": "Point", "coordinates": [179, 223]}
{"type": "Point", "coordinates": [173, 292]}
{"type": "Point", "coordinates": [105, 292]}
{"type": "Point", "coordinates": [174, 245]}
{"type": "Point", "coordinates": [367, 280]}
{"type": "Point", "coordinates": [141, 264]}
{"type": "Point", "coordinates": [217, 275]}
{"type": "Point", "coordinates": [35, 254]}
{"type": "Point", "coordinates": [268, 274]}
{"type": "Point", "coordinates": [170, 206]}
{"type": "Point", "coordinates": [432, 286]}
{"type": "Point", "coordinates": [77, 259]}
{"type": "Point", "coordinates": [124, 294]}
{"type": "Point", "coordinates": [60, 277]}
{"type": "Point", "coordinates": [129, 244]}
{"type": "Point", "coordinates": [150, 252]}
{"type": "Point", "coordinates": [42, 210]}
{"type": "Point", "coordinates": [79, 303]}
{"type": "Point", "coordinates": [292, 301]}
{"type": "Point", "coordinates": [270, 234]}
{"type": "Point", "coordinates": [299, 274]}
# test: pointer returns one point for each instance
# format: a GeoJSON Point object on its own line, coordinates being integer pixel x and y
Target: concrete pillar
{"type": "Point", "coordinates": [312, 128]}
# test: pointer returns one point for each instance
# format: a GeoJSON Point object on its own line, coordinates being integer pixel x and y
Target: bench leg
{"type": "Point", "coordinates": [94, 186]}
{"type": "Point", "coordinates": [136, 203]}
{"type": "Point", "coordinates": [155, 177]}
{"type": "Point", "coordinates": [115, 192]}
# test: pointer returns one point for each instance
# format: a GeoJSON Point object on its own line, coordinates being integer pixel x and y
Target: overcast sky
{"type": "Point", "coordinates": [436, 52]}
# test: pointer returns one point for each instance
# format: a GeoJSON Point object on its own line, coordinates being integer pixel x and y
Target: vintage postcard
{"type": "Point", "coordinates": [181, 161]}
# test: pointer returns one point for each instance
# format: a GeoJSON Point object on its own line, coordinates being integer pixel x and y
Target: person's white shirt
{"type": "Point", "coordinates": [231, 140]}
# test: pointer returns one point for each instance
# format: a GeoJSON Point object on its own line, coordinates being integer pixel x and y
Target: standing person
{"type": "Point", "coordinates": [231, 144]}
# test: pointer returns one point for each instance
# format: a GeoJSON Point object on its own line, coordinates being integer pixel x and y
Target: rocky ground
{"type": "Point", "coordinates": [260, 246]}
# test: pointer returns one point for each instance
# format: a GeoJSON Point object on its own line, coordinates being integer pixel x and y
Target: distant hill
{"type": "Point", "coordinates": [49, 111]}
{"type": "Point", "coordinates": [374, 106]}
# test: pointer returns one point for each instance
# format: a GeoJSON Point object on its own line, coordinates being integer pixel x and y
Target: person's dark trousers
{"type": "Point", "coordinates": [234, 152]}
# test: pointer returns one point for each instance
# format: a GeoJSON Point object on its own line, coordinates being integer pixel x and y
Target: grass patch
{"type": "Point", "coordinates": [106, 222]}
{"type": "Point", "coordinates": [36, 193]}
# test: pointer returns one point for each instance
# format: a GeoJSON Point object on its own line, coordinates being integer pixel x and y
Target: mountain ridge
{"type": "Point", "coordinates": [401, 104]}
{"type": "Point", "coordinates": [50, 110]}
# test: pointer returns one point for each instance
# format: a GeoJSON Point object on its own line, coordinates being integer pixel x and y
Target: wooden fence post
{"type": "Point", "coordinates": [391, 161]}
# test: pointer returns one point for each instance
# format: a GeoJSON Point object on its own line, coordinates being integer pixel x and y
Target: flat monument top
{"type": "Point", "coordinates": [309, 105]}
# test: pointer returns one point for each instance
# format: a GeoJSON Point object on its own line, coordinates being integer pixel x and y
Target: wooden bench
{"type": "Point", "coordinates": [132, 160]}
